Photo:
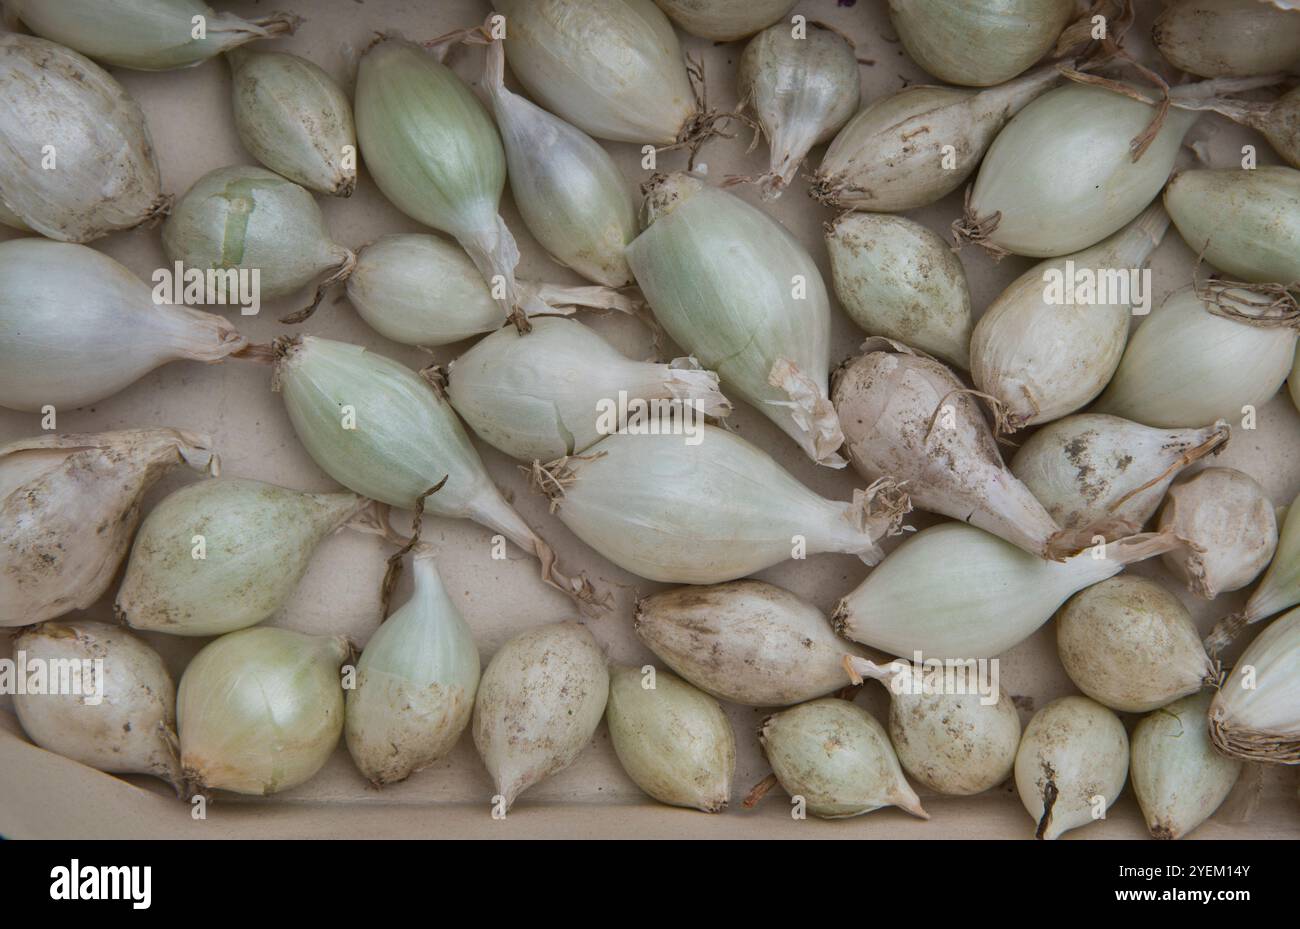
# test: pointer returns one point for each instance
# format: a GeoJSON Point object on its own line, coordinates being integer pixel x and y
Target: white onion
{"type": "Point", "coordinates": [724, 20]}
{"type": "Point", "coordinates": [1256, 714]}
{"type": "Point", "coordinates": [1228, 38]}
{"type": "Point", "coordinates": [1277, 590]}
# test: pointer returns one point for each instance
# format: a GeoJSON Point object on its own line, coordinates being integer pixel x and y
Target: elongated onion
{"type": "Point", "coordinates": [737, 291]}
{"type": "Point", "coordinates": [1277, 590]}
{"type": "Point", "coordinates": [1255, 715]}
{"type": "Point", "coordinates": [1228, 38]}
{"type": "Point", "coordinates": [724, 20]}
{"type": "Point", "coordinates": [657, 505]}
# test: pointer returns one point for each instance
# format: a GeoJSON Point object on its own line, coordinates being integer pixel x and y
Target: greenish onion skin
{"type": "Point", "coordinates": [835, 756]}
{"type": "Point", "coordinates": [1062, 172]}
{"type": "Point", "coordinates": [720, 276]}
{"type": "Point", "coordinates": [724, 20]}
{"type": "Point", "coordinates": [1247, 222]}
{"type": "Point", "coordinates": [415, 684]}
{"type": "Point", "coordinates": [979, 44]}
{"type": "Point", "coordinates": [746, 641]}
{"type": "Point", "coordinates": [613, 68]}
{"type": "Point", "coordinates": [538, 705]}
{"type": "Point", "coordinates": [133, 728]}
{"type": "Point", "coordinates": [1178, 777]}
{"type": "Point", "coordinates": [705, 513]}
{"type": "Point", "coordinates": [106, 175]}
{"type": "Point", "coordinates": [673, 741]}
{"type": "Point", "coordinates": [802, 91]}
{"type": "Point", "coordinates": [539, 397]}
{"type": "Point", "coordinates": [1186, 365]}
{"type": "Point", "coordinates": [66, 307]}
{"type": "Point", "coordinates": [258, 539]}
{"type": "Point", "coordinates": [249, 218]}
{"type": "Point", "coordinates": [1131, 645]}
{"type": "Point", "coordinates": [1079, 747]}
{"type": "Point", "coordinates": [294, 119]}
{"type": "Point", "coordinates": [1045, 360]}
{"type": "Point", "coordinates": [1255, 716]}
{"type": "Point", "coordinates": [1228, 38]}
{"type": "Point", "coordinates": [572, 197]}
{"type": "Point", "coordinates": [260, 710]}
{"type": "Point", "coordinates": [898, 279]}
{"type": "Point", "coordinates": [146, 35]}
{"type": "Point", "coordinates": [982, 596]}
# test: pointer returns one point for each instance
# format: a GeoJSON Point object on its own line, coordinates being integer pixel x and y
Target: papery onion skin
{"type": "Point", "coordinates": [538, 705]}
{"type": "Point", "coordinates": [838, 758]}
{"type": "Point", "coordinates": [415, 684]}
{"type": "Point", "coordinates": [613, 68]}
{"type": "Point", "coordinates": [731, 286]}
{"type": "Point", "coordinates": [724, 20]}
{"type": "Point", "coordinates": [672, 740]}
{"type": "Point", "coordinates": [77, 161]}
{"type": "Point", "coordinates": [1044, 360]}
{"type": "Point", "coordinates": [1247, 223]}
{"type": "Point", "coordinates": [132, 729]}
{"type": "Point", "coordinates": [1255, 715]}
{"type": "Point", "coordinates": [802, 89]}
{"type": "Point", "coordinates": [246, 217]}
{"type": "Point", "coordinates": [1062, 172]}
{"type": "Point", "coordinates": [1131, 645]}
{"type": "Point", "coordinates": [1227, 520]}
{"type": "Point", "coordinates": [1187, 364]}
{"type": "Point", "coordinates": [1077, 750]}
{"type": "Point", "coordinates": [540, 396]}
{"type": "Point", "coordinates": [1293, 382]}
{"type": "Point", "coordinates": [1228, 38]}
{"type": "Point", "coordinates": [978, 44]}
{"type": "Point", "coordinates": [657, 507]}
{"type": "Point", "coordinates": [746, 641]}
{"type": "Point", "coordinates": [294, 119]}
{"type": "Point", "coordinates": [66, 307]}
{"type": "Point", "coordinates": [257, 540]}
{"type": "Point", "coordinates": [1090, 467]}
{"type": "Point", "coordinates": [260, 710]}
{"type": "Point", "coordinates": [1178, 777]}
{"type": "Point", "coordinates": [892, 157]}
{"type": "Point", "coordinates": [896, 278]}
{"type": "Point", "coordinates": [69, 505]}
{"type": "Point", "coordinates": [148, 35]}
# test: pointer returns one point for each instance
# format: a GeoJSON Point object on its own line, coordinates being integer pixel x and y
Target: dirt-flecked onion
{"type": "Point", "coordinates": [1228, 38]}
{"type": "Point", "coordinates": [1071, 765]}
{"type": "Point", "coordinates": [724, 20]}
{"type": "Point", "coordinates": [835, 756]}
{"type": "Point", "coordinates": [1255, 715]}
{"type": "Point", "coordinates": [1277, 120]}
{"type": "Point", "coordinates": [672, 740]}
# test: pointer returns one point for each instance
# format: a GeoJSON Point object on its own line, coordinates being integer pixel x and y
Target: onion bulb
{"type": "Point", "coordinates": [955, 743]}
{"type": "Point", "coordinates": [1178, 777]}
{"type": "Point", "coordinates": [736, 290]}
{"type": "Point", "coordinates": [1277, 120]}
{"type": "Point", "coordinates": [658, 506]}
{"type": "Point", "coordinates": [122, 721]}
{"type": "Point", "coordinates": [550, 393]}
{"type": "Point", "coordinates": [1046, 346]}
{"type": "Point", "coordinates": [1131, 645]}
{"type": "Point", "coordinates": [1071, 765]}
{"type": "Point", "coordinates": [747, 642]}
{"type": "Point", "coordinates": [894, 155]}
{"type": "Point", "coordinates": [1227, 524]}
{"type": "Point", "coordinates": [415, 683]}
{"type": "Point", "coordinates": [1255, 715]}
{"type": "Point", "coordinates": [69, 505]}
{"type": "Point", "coordinates": [673, 741]}
{"type": "Point", "coordinates": [908, 417]}
{"type": "Point", "coordinates": [1228, 38]}
{"type": "Point", "coordinates": [538, 705]}
{"type": "Point", "coordinates": [835, 756]}
{"type": "Point", "coordinates": [147, 35]}
{"type": "Point", "coordinates": [260, 710]}
{"type": "Point", "coordinates": [954, 591]}
{"type": "Point", "coordinates": [978, 44]}
{"type": "Point", "coordinates": [724, 20]}
{"type": "Point", "coordinates": [895, 278]}
{"type": "Point", "coordinates": [1092, 467]}
{"type": "Point", "coordinates": [101, 176]}
{"type": "Point", "coordinates": [1277, 590]}
{"type": "Point", "coordinates": [802, 89]}
{"type": "Point", "coordinates": [224, 554]}
{"type": "Point", "coordinates": [66, 307]}
{"type": "Point", "coordinates": [1203, 356]}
